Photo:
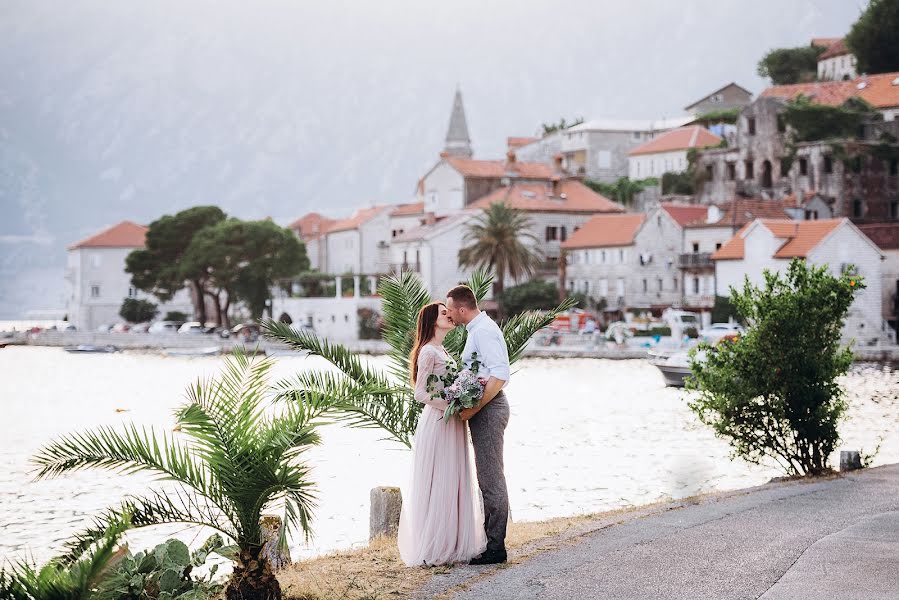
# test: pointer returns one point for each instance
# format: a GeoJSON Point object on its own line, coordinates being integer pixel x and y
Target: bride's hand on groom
{"type": "Point", "coordinates": [467, 413]}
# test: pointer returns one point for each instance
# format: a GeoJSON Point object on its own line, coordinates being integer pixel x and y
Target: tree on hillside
{"type": "Point", "coordinates": [548, 128]}
{"type": "Point", "coordinates": [500, 240]}
{"type": "Point", "coordinates": [138, 311]}
{"type": "Point", "coordinates": [623, 190]}
{"type": "Point", "coordinates": [790, 65]}
{"type": "Point", "coordinates": [874, 38]}
{"type": "Point", "coordinates": [158, 269]}
{"type": "Point", "coordinates": [242, 260]}
{"type": "Point", "coordinates": [773, 393]}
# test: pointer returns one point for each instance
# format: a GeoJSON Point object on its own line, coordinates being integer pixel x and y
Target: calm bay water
{"type": "Point", "coordinates": [585, 435]}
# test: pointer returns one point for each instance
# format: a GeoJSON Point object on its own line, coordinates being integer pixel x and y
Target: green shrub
{"type": "Point", "coordinates": [773, 393]}
{"type": "Point", "coordinates": [175, 315]}
{"type": "Point", "coordinates": [663, 331]}
{"type": "Point", "coordinates": [533, 295]}
{"type": "Point", "coordinates": [138, 311]}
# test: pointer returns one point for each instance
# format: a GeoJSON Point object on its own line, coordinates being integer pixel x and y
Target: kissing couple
{"type": "Point", "coordinates": [441, 521]}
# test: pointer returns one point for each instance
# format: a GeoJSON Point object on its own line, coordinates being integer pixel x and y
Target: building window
{"type": "Point", "coordinates": [660, 284]}
{"type": "Point", "coordinates": [811, 215]}
{"type": "Point", "coordinates": [604, 287]}
{"type": "Point", "coordinates": [95, 261]}
{"type": "Point", "coordinates": [894, 209]}
{"type": "Point", "coordinates": [781, 124]}
{"type": "Point", "coordinates": [717, 245]}
{"type": "Point", "coordinates": [552, 234]}
{"type": "Point", "coordinates": [132, 292]}
{"type": "Point", "coordinates": [828, 164]}
{"type": "Point", "coordinates": [803, 167]}
{"type": "Point", "coordinates": [619, 287]}
{"type": "Point", "coordinates": [709, 172]}
{"type": "Point", "coordinates": [563, 233]}
{"type": "Point", "coordinates": [621, 256]}
{"type": "Point", "coordinates": [645, 286]}
{"type": "Point", "coordinates": [784, 167]}
{"type": "Point", "coordinates": [636, 136]}
{"type": "Point", "coordinates": [674, 284]}
{"type": "Point", "coordinates": [602, 256]}
{"type": "Point", "coordinates": [858, 207]}
{"type": "Point", "coordinates": [696, 285]}
{"type": "Point", "coordinates": [857, 164]}
{"type": "Point", "coordinates": [750, 170]}
{"type": "Point", "coordinates": [894, 166]}
{"type": "Point", "coordinates": [695, 247]}
{"type": "Point", "coordinates": [731, 171]}
{"type": "Point", "coordinates": [95, 291]}
{"type": "Point", "coordinates": [750, 125]}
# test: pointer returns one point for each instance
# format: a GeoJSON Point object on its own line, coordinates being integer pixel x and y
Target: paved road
{"type": "Point", "coordinates": [834, 539]}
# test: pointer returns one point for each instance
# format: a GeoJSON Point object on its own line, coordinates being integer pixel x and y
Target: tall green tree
{"type": "Point", "coordinates": [158, 267]}
{"type": "Point", "coordinates": [531, 295]}
{"type": "Point", "coordinates": [368, 397]}
{"type": "Point", "coordinates": [500, 240]}
{"type": "Point", "coordinates": [233, 459]}
{"type": "Point", "coordinates": [241, 261]}
{"type": "Point", "coordinates": [784, 66]}
{"type": "Point", "coordinates": [773, 393]}
{"type": "Point", "coordinates": [874, 38]}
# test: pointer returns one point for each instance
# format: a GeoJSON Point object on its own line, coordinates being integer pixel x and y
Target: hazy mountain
{"type": "Point", "coordinates": [114, 110]}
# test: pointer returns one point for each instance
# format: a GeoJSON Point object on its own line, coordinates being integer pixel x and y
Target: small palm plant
{"type": "Point", "coordinates": [367, 397]}
{"type": "Point", "coordinates": [500, 239]}
{"type": "Point", "coordinates": [236, 458]}
{"type": "Point", "coordinates": [77, 577]}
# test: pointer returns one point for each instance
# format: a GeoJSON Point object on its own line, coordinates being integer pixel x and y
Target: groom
{"type": "Point", "coordinates": [489, 418]}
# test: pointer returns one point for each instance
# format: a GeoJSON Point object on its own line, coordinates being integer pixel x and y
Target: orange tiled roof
{"type": "Point", "coordinates": [825, 42]}
{"type": "Point", "coordinates": [838, 48]}
{"type": "Point", "coordinates": [360, 217]}
{"type": "Point", "coordinates": [472, 167]}
{"type": "Point", "coordinates": [573, 196]}
{"type": "Point", "coordinates": [311, 225]}
{"type": "Point", "coordinates": [606, 230]}
{"type": "Point", "coordinates": [685, 214]}
{"type": "Point", "coordinates": [124, 235]}
{"type": "Point", "coordinates": [406, 210]}
{"type": "Point", "coordinates": [682, 138]}
{"type": "Point", "coordinates": [878, 90]}
{"type": "Point", "coordinates": [517, 142]}
{"type": "Point", "coordinates": [800, 237]}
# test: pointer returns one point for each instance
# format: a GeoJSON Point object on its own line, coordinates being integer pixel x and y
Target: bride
{"type": "Point", "coordinates": [441, 520]}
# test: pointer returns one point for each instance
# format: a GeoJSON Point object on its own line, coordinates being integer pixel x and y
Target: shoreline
{"type": "Point", "coordinates": [376, 570]}
{"type": "Point", "coordinates": [187, 345]}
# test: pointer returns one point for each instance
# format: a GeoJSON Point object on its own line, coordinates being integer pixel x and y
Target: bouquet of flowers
{"type": "Point", "coordinates": [461, 388]}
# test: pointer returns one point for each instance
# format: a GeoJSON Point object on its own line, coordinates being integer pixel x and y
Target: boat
{"type": "Point", "coordinates": [91, 349]}
{"type": "Point", "coordinates": [674, 367]}
{"type": "Point", "coordinates": [205, 351]}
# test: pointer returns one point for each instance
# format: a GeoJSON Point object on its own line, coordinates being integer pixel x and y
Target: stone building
{"type": "Point", "coordinates": [728, 97]}
{"type": "Point", "coordinates": [886, 237]}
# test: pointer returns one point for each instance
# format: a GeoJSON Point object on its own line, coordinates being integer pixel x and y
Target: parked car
{"type": "Point", "coordinates": [715, 332]}
{"type": "Point", "coordinates": [70, 327]}
{"type": "Point", "coordinates": [196, 327]}
{"type": "Point", "coordinates": [163, 327]}
{"type": "Point", "coordinates": [104, 328]}
{"type": "Point", "coordinates": [140, 328]}
{"type": "Point", "coordinates": [121, 328]}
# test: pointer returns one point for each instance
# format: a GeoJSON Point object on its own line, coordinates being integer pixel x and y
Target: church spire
{"type": "Point", "coordinates": [457, 141]}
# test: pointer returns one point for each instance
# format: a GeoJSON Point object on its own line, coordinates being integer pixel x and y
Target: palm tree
{"type": "Point", "coordinates": [72, 578]}
{"type": "Point", "coordinates": [366, 397]}
{"type": "Point", "coordinates": [236, 459]}
{"type": "Point", "coordinates": [497, 241]}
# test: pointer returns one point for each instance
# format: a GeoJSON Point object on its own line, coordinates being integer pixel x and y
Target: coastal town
{"type": "Point", "coordinates": [629, 354]}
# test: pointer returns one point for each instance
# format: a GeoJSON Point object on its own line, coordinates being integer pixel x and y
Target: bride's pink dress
{"type": "Point", "coordinates": [441, 521]}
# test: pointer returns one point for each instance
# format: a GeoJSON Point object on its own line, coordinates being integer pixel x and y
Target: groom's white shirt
{"type": "Point", "coordinates": [486, 338]}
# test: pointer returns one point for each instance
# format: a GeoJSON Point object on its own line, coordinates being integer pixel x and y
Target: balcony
{"type": "Point", "coordinates": [695, 260]}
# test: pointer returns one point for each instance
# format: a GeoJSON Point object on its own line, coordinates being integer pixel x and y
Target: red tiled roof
{"type": "Point", "coordinates": [311, 225]}
{"type": "Point", "coordinates": [800, 237]}
{"type": "Point", "coordinates": [884, 235]}
{"type": "Point", "coordinates": [360, 217]}
{"type": "Point", "coordinates": [497, 169]}
{"type": "Point", "coordinates": [878, 90]}
{"type": "Point", "coordinates": [124, 235]}
{"type": "Point", "coordinates": [682, 138]}
{"type": "Point", "coordinates": [741, 211]}
{"type": "Point", "coordinates": [406, 210]}
{"type": "Point", "coordinates": [573, 196]}
{"type": "Point", "coordinates": [825, 42]}
{"type": "Point", "coordinates": [838, 48]}
{"type": "Point", "coordinates": [685, 214]}
{"type": "Point", "coordinates": [606, 230]}
{"type": "Point", "coordinates": [517, 142]}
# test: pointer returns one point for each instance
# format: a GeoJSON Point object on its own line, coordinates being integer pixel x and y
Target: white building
{"type": "Point", "coordinates": [311, 229]}
{"type": "Point", "coordinates": [667, 153]}
{"type": "Point", "coordinates": [98, 283]}
{"type": "Point", "coordinates": [836, 63]}
{"type": "Point", "coordinates": [837, 243]}
{"type": "Point", "coordinates": [359, 244]}
{"type": "Point", "coordinates": [886, 236]}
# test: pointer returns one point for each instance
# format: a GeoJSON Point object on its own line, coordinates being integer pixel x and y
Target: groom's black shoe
{"type": "Point", "coordinates": [489, 558]}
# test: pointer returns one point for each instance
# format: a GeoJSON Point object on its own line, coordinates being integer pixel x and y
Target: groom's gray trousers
{"type": "Point", "coordinates": [487, 430]}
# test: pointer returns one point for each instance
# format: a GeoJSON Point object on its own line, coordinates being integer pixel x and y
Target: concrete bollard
{"type": "Point", "coordinates": [850, 460]}
{"type": "Point", "coordinates": [384, 518]}
{"type": "Point", "coordinates": [271, 530]}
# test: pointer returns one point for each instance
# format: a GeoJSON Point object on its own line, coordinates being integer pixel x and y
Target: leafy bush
{"type": "Point", "coordinates": [678, 183]}
{"type": "Point", "coordinates": [811, 121]}
{"type": "Point", "coordinates": [790, 65]}
{"type": "Point", "coordinates": [138, 311]}
{"type": "Point", "coordinates": [533, 295]}
{"type": "Point", "coordinates": [772, 393]}
{"type": "Point", "coordinates": [176, 316]}
{"type": "Point", "coordinates": [163, 573]}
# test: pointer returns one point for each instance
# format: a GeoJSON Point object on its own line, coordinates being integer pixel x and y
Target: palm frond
{"type": "Point", "coordinates": [521, 328]}
{"type": "Point", "coordinates": [403, 297]}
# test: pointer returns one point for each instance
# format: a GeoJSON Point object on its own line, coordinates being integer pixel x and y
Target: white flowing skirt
{"type": "Point", "coordinates": [442, 521]}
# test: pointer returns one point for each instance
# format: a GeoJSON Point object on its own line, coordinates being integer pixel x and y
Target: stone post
{"type": "Point", "coordinates": [277, 557]}
{"type": "Point", "coordinates": [384, 518]}
{"type": "Point", "coordinates": [850, 460]}
{"type": "Point", "coordinates": [372, 285]}
{"type": "Point", "coordinates": [337, 286]}
{"type": "Point", "coordinates": [356, 286]}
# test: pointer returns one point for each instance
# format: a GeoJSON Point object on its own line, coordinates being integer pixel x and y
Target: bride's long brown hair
{"type": "Point", "coordinates": [425, 330]}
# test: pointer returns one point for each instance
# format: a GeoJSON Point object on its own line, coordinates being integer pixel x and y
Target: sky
{"type": "Point", "coordinates": [130, 110]}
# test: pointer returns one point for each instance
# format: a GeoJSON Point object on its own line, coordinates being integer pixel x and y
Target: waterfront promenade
{"type": "Point", "coordinates": [834, 538]}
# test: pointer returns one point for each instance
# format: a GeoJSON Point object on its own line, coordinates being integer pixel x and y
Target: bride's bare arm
{"type": "Point", "coordinates": [427, 361]}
